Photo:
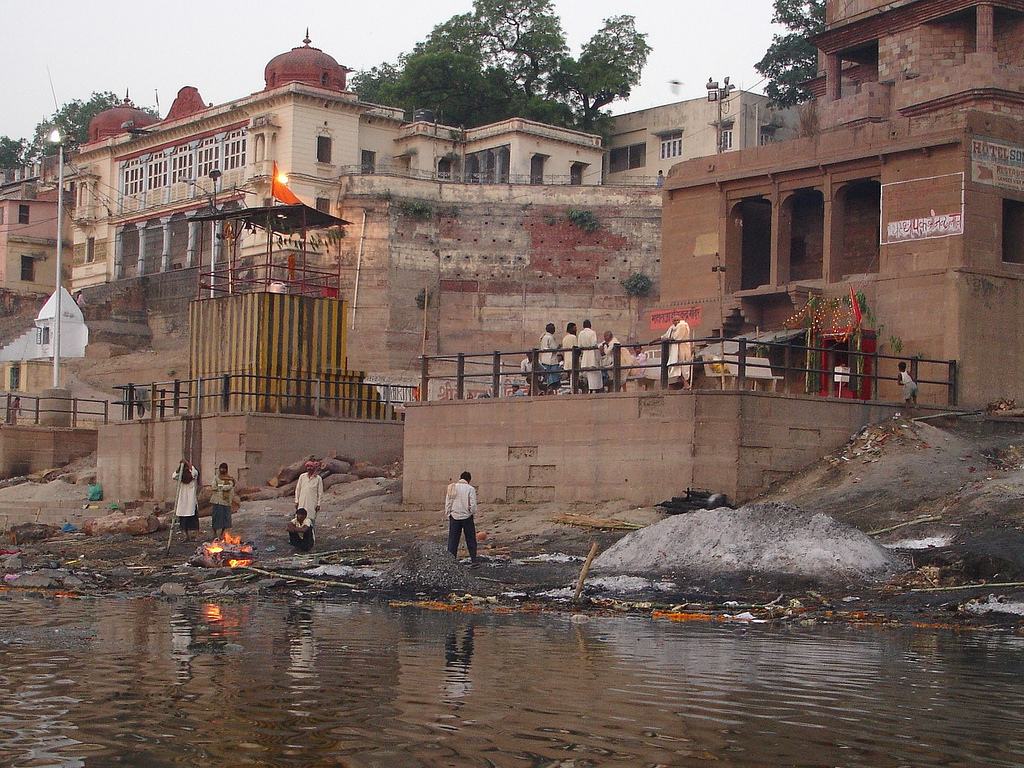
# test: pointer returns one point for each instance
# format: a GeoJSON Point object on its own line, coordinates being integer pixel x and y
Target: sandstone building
{"type": "Point", "coordinates": [477, 223]}
{"type": "Point", "coordinates": [911, 191]}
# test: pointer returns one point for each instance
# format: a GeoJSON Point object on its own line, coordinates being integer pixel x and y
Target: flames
{"type": "Point", "coordinates": [229, 551]}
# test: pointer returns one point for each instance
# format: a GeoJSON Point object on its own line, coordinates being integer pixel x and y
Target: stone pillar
{"type": "Point", "coordinates": [165, 254]}
{"type": "Point", "coordinates": [775, 268]}
{"type": "Point", "coordinates": [167, 165]}
{"type": "Point", "coordinates": [118, 252]}
{"type": "Point", "coordinates": [190, 251]}
{"type": "Point", "coordinates": [833, 77]}
{"type": "Point", "coordinates": [141, 263]}
{"type": "Point", "coordinates": [985, 40]}
{"type": "Point", "coordinates": [830, 235]}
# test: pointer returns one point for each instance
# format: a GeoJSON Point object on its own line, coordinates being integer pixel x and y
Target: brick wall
{"type": "Point", "coordinates": [498, 263]}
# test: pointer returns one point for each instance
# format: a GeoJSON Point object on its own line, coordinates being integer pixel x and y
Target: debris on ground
{"type": "Point", "coordinates": [427, 566]}
{"type": "Point", "coordinates": [769, 539]}
{"type": "Point", "coordinates": [693, 500]}
{"type": "Point", "coordinates": [590, 522]}
{"type": "Point", "coordinates": [119, 522]}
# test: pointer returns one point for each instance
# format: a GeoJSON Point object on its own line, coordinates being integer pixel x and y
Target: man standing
{"type": "Point", "coordinates": [679, 354]}
{"type": "Point", "coordinates": [309, 491]}
{"type": "Point", "coordinates": [568, 342]}
{"type": "Point", "coordinates": [551, 377]}
{"type": "Point", "coordinates": [626, 360]}
{"type": "Point", "coordinates": [223, 495]}
{"type": "Point", "coordinates": [589, 358]}
{"type": "Point", "coordinates": [459, 508]}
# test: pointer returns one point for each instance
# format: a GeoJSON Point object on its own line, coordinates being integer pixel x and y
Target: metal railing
{"type": "Point", "coordinates": [463, 176]}
{"type": "Point", "coordinates": [268, 278]}
{"type": "Point", "coordinates": [24, 410]}
{"type": "Point", "coordinates": [340, 397]}
{"type": "Point", "coordinates": [468, 376]}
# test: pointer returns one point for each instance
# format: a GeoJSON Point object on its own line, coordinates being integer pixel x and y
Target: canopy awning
{"type": "Point", "coordinates": [731, 346]}
{"type": "Point", "coordinates": [287, 219]}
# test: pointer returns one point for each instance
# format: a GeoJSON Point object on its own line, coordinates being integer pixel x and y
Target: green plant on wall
{"type": "Point", "coordinates": [638, 284]}
{"type": "Point", "coordinates": [424, 298]}
{"type": "Point", "coordinates": [585, 219]}
{"type": "Point", "coordinates": [416, 209]}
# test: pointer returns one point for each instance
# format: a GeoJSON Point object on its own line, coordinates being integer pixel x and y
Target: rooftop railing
{"type": "Point", "coordinates": [23, 410]}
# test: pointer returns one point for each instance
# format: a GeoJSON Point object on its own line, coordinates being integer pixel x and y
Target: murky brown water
{"type": "Point", "coordinates": [145, 683]}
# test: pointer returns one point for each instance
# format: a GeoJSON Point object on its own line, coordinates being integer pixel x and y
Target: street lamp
{"type": "Point", "coordinates": [215, 175]}
{"type": "Point", "coordinates": [719, 93]}
{"type": "Point", "coordinates": [57, 139]}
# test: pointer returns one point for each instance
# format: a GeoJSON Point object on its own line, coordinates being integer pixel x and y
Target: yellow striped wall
{"type": "Point", "coordinates": [261, 338]}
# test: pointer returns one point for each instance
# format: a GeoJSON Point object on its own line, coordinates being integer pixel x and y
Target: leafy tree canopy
{"type": "Point", "coordinates": [12, 152]}
{"type": "Point", "coordinates": [791, 59]}
{"type": "Point", "coordinates": [72, 119]}
{"type": "Point", "coordinates": [509, 58]}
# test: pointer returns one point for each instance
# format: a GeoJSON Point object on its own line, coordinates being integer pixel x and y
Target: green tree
{"type": "Point", "coordinates": [607, 69]}
{"type": "Point", "coordinates": [513, 53]}
{"type": "Point", "coordinates": [12, 152]}
{"type": "Point", "coordinates": [791, 59]}
{"type": "Point", "coordinates": [72, 119]}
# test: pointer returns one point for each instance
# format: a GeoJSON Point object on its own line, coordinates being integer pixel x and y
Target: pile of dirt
{"type": "Point", "coordinates": [426, 567]}
{"type": "Point", "coordinates": [770, 539]}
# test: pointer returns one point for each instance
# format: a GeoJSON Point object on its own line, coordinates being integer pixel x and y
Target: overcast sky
{"type": "Point", "coordinates": [222, 46]}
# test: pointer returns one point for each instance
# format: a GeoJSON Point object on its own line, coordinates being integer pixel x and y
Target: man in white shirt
{"type": "Point", "coordinates": [459, 508]}
{"type": "Point", "coordinates": [552, 377]}
{"type": "Point", "coordinates": [309, 491]}
{"type": "Point", "coordinates": [589, 358]}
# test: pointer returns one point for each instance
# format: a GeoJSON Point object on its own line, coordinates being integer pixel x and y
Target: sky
{"type": "Point", "coordinates": [221, 46]}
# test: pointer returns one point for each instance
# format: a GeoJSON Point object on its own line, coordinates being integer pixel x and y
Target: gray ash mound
{"type": "Point", "coordinates": [427, 567]}
{"type": "Point", "coordinates": [770, 539]}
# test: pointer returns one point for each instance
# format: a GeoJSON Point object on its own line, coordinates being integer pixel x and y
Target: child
{"type": "Point", "coordinates": [908, 384]}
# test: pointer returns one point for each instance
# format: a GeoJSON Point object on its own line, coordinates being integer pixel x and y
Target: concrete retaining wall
{"type": "Point", "coordinates": [136, 459]}
{"type": "Point", "coordinates": [31, 448]}
{"type": "Point", "coordinates": [642, 447]}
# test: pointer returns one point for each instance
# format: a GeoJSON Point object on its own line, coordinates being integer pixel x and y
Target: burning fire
{"type": "Point", "coordinates": [229, 551]}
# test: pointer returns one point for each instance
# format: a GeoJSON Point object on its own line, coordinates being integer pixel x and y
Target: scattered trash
{"type": "Point", "coordinates": [693, 500]}
{"type": "Point", "coordinates": [68, 528]}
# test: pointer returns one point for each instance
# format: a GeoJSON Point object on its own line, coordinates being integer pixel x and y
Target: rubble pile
{"type": "Point", "coordinates": [873, 439]}
{"type": "Point", "coordinates": [426, 567]}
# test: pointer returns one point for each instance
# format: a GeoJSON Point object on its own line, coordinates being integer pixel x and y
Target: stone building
{"type": "Point", "coordinates": [28, 239]}
{"type": "Point", "coordinates": [911, 190]}
{"type": "Point", "coordinates": [642, 143]}
{"type": "Point", "coordinates": [142, 181]}
{"type": "Point", "coordinates": [476, 218]}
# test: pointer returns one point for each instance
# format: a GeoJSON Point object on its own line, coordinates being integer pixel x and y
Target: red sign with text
{"type": "Point", "coordinates": [662, 318]}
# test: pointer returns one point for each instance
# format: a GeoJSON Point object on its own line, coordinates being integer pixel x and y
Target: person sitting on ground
{"type": "Point", "coordinates": [300, 531]}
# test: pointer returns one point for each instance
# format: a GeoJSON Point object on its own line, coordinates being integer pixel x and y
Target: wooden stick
{"type": "Point", "coordinates": [970, 586]}
{"type": "Point", "coordinates": [298, 578]}
{"type": "Point", "coordinates": [588, 522]}
{"type": "Point", "coordinates": [583, 573]}
{"type": "Point", "coordinates": [932, 519]}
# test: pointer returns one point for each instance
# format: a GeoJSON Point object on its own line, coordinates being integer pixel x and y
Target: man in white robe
{"type": "Point", "coordinates": [626, 361]}
{"type": "Point", "coordinates": [589, 358]}
{"type": "Point", "coordinates": [678, 354]}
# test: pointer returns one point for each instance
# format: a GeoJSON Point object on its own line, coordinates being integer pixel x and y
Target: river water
{"type": "Point", "coordinates": [299, 683]}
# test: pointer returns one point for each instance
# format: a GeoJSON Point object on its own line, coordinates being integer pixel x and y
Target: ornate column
{"type": "Point", "coordinates": [141, 263]}
{"type": "Point", "coordinates": [118, 252]}
{"type": "Point", "coordinates": [190, 250]}
{"type": "Point", "coordinates": [165, 255]}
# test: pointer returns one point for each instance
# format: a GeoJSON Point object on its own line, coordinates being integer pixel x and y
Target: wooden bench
{"type": "Point", "coordinates": [727, 369]}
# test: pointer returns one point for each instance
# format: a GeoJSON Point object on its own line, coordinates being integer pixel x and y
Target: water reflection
{"type": "Point", "coordinates": [296, 683]}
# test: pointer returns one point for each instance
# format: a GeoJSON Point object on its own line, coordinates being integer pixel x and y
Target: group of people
{"type": "Point", "coordinates": [309, 493]}
{"type": "Point", "coordinates": [597, 359]}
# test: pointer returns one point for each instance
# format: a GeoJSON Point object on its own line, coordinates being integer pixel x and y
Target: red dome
{"type": "Point", "coordinates": [111, 122]}
{"type": "Point", "coordinates": [308, 65]}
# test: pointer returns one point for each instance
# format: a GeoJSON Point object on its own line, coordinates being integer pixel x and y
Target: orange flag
{"type": "Point", "coordinates": [280, 190]}
{"type": "Point", "coordinates": [856, 306]}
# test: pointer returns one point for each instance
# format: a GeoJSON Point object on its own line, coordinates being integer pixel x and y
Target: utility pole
{"type": "Point", "coordinates": [719, 93]}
